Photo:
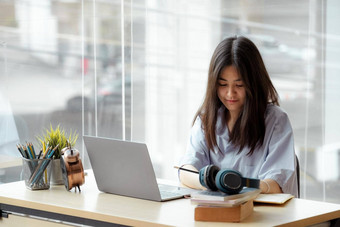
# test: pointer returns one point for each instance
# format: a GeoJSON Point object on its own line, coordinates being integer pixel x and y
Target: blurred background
{"type": "Point", "coordinates": [137, 70]}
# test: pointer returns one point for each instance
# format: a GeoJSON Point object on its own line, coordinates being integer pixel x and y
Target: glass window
{"type": "Point", "coordinates": [138, 72]}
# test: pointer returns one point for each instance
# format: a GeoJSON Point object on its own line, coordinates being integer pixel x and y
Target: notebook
{"type": "Point", "coordinates": [278, 198]}
{"type": "Point", "coordinates": [125, 168]}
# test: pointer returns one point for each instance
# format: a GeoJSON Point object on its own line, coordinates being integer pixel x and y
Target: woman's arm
{"type": "Point", "coordinates": [190, 179]}
{"type": "Point", "coordinates": [279, 164]}
{"type": "Point", "coordinates": [269, 186]}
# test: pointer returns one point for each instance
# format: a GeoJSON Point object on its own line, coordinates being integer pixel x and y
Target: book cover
{"type": "Point", "coordinates": [221, 196]}
{"type": "Point", "coordinates": [224, 214]}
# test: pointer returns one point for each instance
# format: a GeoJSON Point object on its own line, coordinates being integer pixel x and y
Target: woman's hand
{"type": "Point", "coordinates": [269, 186]}
{"type": "Point", "coordinates": [190, 179]}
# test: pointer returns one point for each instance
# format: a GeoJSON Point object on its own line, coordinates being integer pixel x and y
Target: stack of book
{"type": "Point", "coordinates": [217, 206]}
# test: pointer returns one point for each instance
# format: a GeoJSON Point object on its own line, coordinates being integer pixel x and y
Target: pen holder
{"type": "Point", "coordinates": [36, 173]}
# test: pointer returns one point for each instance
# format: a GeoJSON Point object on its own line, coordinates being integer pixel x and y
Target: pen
{"type": "Point", "coordinates": [189, 170]}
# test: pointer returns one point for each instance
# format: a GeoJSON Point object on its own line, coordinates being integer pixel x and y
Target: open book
{"type": "Point", "coordinates": [279, 198]}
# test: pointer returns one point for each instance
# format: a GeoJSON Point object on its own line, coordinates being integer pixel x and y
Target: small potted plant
{"type": "Point", "coordinates": [59, 139]}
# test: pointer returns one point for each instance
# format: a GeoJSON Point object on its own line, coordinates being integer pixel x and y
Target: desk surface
{"type": "Point", "coordinates": [91, 203]}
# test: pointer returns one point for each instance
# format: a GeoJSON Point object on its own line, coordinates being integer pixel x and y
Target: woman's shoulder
{"type": "Point", "coordinates": [275, 112]}
{"type": "Point", "coordinates": [277, 119]}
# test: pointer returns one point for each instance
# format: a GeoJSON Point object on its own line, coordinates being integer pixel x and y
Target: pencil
{"type": "Point", "coordinates": [32, 149]}
{"type": "Point", "coordinates": [39, 154]}
{"type": "Point", "coordinates": [29, 148]}
{"type": "Point", "coordinates": [45, 151]}
{"type": "Point", "coordinates": [27, 152]}
{"type": "Point", "coordinates": [33, 178]}
{"type": "Point", "coordinates": [189, 170]}
{"type": "Point", "coordinates": [22, 154]}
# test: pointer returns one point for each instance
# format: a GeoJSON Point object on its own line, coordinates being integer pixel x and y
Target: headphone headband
{"type": "Point", "coordinates": [251, 182]}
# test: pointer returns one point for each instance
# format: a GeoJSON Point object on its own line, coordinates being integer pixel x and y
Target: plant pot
{"type": "Point", "coordinates": [56, 173]}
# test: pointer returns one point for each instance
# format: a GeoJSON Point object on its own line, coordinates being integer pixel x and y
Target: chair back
{"type": "Point", "coordinates": [298, 174]}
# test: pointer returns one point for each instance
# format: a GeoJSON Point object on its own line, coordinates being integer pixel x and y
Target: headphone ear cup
{"type": "Point", "coordinates": [229, 181]}
{"type": "Point", "coordinates": [207, 177]}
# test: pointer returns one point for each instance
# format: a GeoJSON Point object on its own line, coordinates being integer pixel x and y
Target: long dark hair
{"type": "Point", "coordinates": [249, 129]}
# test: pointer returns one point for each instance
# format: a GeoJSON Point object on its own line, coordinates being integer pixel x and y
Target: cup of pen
{"type": "Point", "coordinates": [36, 173]}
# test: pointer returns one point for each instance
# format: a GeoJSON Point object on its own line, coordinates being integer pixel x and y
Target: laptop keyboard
{"type": "Point", "coordinates": [168, 191]}
{"type": "Point", "coordinates": [166, 194]}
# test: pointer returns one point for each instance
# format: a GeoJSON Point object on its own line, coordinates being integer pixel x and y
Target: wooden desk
{"type": "Point", "coordinates": [95, 208]}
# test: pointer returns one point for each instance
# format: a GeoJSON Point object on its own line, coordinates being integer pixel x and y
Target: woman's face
{"type": "Point", "coordinates": [231, 90]}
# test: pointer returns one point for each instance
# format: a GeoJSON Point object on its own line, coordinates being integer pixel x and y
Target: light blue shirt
{"type": "Point", "coordinates": [275, 159]}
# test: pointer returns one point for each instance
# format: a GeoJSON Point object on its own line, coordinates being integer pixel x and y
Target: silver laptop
{"type": "Point", "coordinates": [125, 168]}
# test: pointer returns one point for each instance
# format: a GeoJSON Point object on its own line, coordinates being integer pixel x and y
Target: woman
{"type": "Point", "coordinates": [240, 125]}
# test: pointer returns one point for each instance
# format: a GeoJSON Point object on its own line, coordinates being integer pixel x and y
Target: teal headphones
{"type": "Point", "coordinates": [225, 180]}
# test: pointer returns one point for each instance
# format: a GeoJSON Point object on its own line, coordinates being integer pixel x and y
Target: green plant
{"type": "Point", "coordinates": [53, 137]}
